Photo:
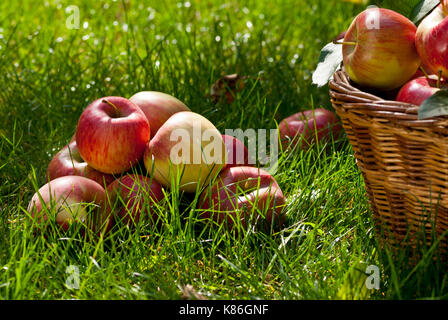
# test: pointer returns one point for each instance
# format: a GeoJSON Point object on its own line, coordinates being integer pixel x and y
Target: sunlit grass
{"type": "Point", "coordinates": [49, 73]}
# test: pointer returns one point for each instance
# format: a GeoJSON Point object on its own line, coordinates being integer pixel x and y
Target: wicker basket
{"type": "Point", "coordinates": [403, 160]}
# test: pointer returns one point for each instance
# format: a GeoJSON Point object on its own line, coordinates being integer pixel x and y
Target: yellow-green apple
{"type": "Point", "coordinates": [432, 40]}
{"type": "Point", "coordinates": [132, 197]}
{"type": "Point", "coordinates": [68, 162]}
{"type": "Point", "coordinates": [188, 150]}
{"type": "Point", "coordinates": [418, 90]}
{"type": "Point", "coordinates": [71, 200]}
{"type": "Point", "coordinates": [237, 153]}
{"type": "Point", "coordinates": [308, 127]}
{"type": "Point", "coordinates": [111, 135]}
{"type": "Point", "coordinates": [245, 196]}
{"type": "Point", "coordinates": [157, 107]}
{"type": "Point", "coordinates": [379, 49]}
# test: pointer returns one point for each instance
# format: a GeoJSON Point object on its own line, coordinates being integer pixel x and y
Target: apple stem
{"type": "Point", "coordinates": [112, 105]}
{"type": "Point", "coordinates": [424, 72]}
{"type": "Point", "coordinates": [439, 77]}
{"type": "Point", "coordinates": [348, 43]}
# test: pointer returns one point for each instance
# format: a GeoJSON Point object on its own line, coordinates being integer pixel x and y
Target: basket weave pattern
{"type": "Point", "coordinates": [403, 160]}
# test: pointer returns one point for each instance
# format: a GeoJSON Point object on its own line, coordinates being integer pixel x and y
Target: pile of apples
{"type": "Point", "coordinates": [384, 50]}
{"type": "Point", "coordinates": [119, 166]}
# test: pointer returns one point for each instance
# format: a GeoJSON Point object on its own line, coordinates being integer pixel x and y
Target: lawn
{"type": "Point", "coordinates": [50, 71]}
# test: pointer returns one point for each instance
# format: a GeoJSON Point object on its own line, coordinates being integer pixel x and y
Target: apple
{"type": "Point", "coordinates": [72, 199]}
{"type": "Point", "coordinates": [157, 107]}
{"type": "Point", "coordinates": [238, 155]}
{"type": "Point", "coordinates": [131, 197]}
{"type": "Point", "coordinates": [305, 127]}
{"type": "Point", "coordinates": [379, 49]}
{"type": "Point", "coordinates": [68, 162]}
{"type": "Point", "coordinates": [187, 148]}
{"type": "Point", "coordinates": [432, 40]}
{"type": "Point", "coordinates": [111, 135]}
{"type": "Point", "coordinates": [246, 195]}
{"type": "Point", "coordinates": [418, 90]}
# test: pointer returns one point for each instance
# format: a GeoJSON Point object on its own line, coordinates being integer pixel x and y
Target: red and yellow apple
{"type": "Point", "coordinates": [245, 196]}
{"type": "Point", "coordinates": [111, 135]}
{"type": "Point", "coordinates": [188, 150]}
{"type": "Point", "coordinates": [432, 40]}
{"type": "Point", "coordinates": [71, 200]}
{"type": "Point", "coordinates": [418, 90]}
{"type": "Point", "coordinates": [237, 153]}
{"type": "Point", "coordinates": [68, 162]}
{"type": "Point", "coordinates": [379, 49]}
{"type": "Point", "coordinates": [157, 107]}
{"type": "Point", "coordinates": [308, 127]}
{"type": "Point", "coordinates": [131, 199]}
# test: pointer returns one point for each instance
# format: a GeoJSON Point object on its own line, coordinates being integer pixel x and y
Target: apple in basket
{"type": "Point", "coordinates": [418, 90]}
{"type": "Point", "coordinates": [379, 49]}
{"type": "Point", "coordinates": [432, 40]}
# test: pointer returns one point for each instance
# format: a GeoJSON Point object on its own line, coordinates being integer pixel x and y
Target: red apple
{"type": "Point", "coordinates": [111, 135]}
{"type": "Point", "coordinates": [379, 49]}
{"type": "Point", "coordinates": [132, 197]}
{"type": "Point", "coordinates": [157, 107]}
{"type": "Point", "coordinates": [238, 155]}
{"type": "Point", "coordinates": [68, 162]}
{"type": "Point", "coordinates": [418, 90]}
{"type": "Point", "coordinates": [305, 127]}
{"type": "Point", "coordinates": [246, 195]}
{"type": "Point", "coordinates": [188, 150]}
{"type": "Point", "coordinates": [432, 40]}
{"type": "Point", "coordinates": [72, 199]}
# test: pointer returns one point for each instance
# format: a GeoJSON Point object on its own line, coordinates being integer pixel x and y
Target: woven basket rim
{"type": "Point", "coordinates": [345, 92]}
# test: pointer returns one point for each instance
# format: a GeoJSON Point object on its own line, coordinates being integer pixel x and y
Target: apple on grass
{"type": "Point", "coordinates": [243, 196]}
{"type": "Point", "coordinates": [238, 155]}
{"type": "Point", "coordinates": [157, 107]}
{"type": "Point", "coordinates": [304, 128]}
{"type": "Point", "coordinates": [71, 200]}
{"type": "Point", "coordinates": [418, 90]}
{"type": "Point", "coordinates": [187, 151]}
{"type": "Point", "coordinates": [68, 162]}
{"type": "Point", "coordinates": [132, 197]}
{"type": "Point", "coordinates": [379, 49]}
{"type": "Point", "coordinates": [432, 40]}
{"type": "Point", "coordinates": [111, 135]}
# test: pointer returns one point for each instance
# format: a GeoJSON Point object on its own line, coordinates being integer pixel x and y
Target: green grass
{"type": "Point", "coordinates": [49, 74]}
